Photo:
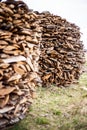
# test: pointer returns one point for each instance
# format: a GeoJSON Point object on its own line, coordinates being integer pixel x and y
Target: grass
{"type": "Point", "coordinates": [58, 108]}
{"type": "Point", "coordinates": [57, 112]}
{"type": "Point", "coordinates": [41, 121]}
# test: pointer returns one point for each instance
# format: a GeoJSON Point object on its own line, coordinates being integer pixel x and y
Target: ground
{"type": "Point", "coordinates": [58, 108]}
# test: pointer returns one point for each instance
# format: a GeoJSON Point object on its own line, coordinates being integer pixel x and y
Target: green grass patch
{"type": "Point", "coordinates": [41, 121]}
{"type": "Point", "coordinates": [57, 112]}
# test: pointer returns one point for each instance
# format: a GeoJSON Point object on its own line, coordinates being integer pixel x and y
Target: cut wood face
{"type": "Point", "coordinates": [62, 53]}
{"type": "Point", "coordinates": [20, 36]}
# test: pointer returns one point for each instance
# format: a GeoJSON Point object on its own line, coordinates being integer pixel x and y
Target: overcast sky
{"type": "Point", "coordinates": [74, 11]}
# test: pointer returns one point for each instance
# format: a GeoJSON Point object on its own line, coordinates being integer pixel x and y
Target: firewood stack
{"type": "Point", "coordinates": [62, 53]}
{"type": "Point", "coordinates": [19, 52]}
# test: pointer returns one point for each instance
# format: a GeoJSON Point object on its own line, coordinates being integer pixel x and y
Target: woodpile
{"type": "Point", "coordinates": [20, 36]}
{"type": "Point", "coordinates": [62, 53]}
{"type": "Point", "coordinates": [23, 33]}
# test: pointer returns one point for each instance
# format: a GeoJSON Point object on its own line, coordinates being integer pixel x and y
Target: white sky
{"type": "Point", "coordinates": [74, 11]}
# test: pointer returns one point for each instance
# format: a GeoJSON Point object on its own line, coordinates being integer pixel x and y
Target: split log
{"type": "Point", "coordinates": [20, 37]}
{"type": "Point", "coordinates": [62, 52]}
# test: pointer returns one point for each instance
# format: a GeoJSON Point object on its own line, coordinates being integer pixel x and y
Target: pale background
{"type": "Point", "coordinates": [74, 11]}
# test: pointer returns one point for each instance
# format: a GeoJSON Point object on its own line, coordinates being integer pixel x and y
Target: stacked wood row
{"type": "Point", "coordinates": [19, 52]}
{"type": "Point", "coordinates": [62, 52]}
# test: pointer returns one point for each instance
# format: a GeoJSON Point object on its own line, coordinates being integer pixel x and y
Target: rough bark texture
{"type": "Point", "coordinates": [19, 52]}
{"type": "Point", "coordinates": [62, 53]}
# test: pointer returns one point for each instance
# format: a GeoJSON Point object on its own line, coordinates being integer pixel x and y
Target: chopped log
{"type": "Point", "coordinates": [62, 52]}
{"type": "Point", "coordinates": [20, 37]}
